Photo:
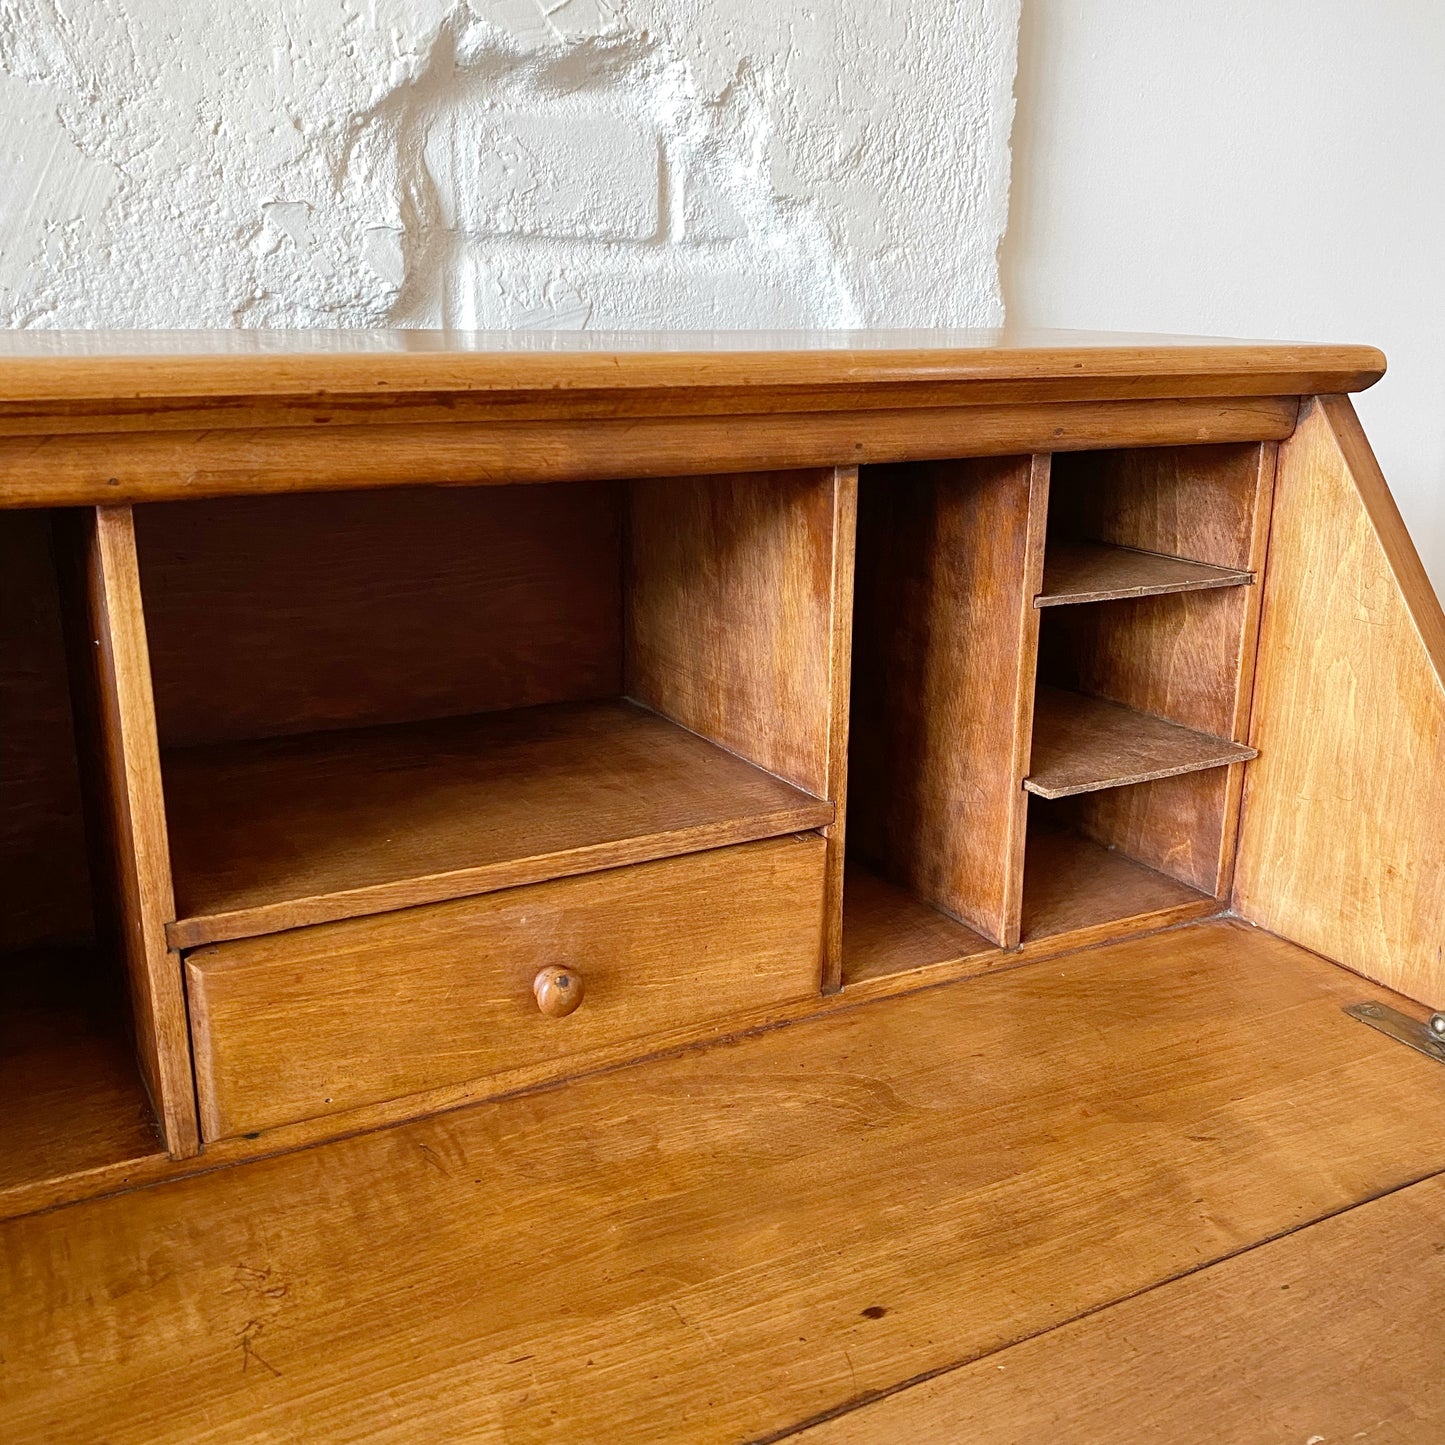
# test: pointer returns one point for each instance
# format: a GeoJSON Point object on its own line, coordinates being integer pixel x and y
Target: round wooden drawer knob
{"type": "Point", "coordinates": [559, 990]}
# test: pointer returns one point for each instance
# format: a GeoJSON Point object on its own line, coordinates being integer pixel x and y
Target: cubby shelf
{"type": "Point", "coordinates": [1082, 744]}
{"type": "Point", "coordinates": [887, 931]}
{"type": "Point", "coordinates": [288, 831]}
{"type": "Point", "coordinates": [73, 1097]}
{"type": "Point", "coordinates": [1076, 572]}
{"type": "Point", "coordinates": [1073, 885]}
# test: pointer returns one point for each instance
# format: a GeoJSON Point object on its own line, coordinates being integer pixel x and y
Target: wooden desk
{"type": "Point", "coordinates": [353, 777]}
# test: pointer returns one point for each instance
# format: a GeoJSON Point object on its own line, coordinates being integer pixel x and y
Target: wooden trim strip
{"type": "Point", "coordinates": [378, 365]}
{"type": "Point", "coordinates": [171, 466]}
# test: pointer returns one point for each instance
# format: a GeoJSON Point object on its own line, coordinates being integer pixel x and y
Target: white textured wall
{"type": "Point", "coordinates": [501, 163]}
{"type": "Point", "coordinates": [1246, 169]}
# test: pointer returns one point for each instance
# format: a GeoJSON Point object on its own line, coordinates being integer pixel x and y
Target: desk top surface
{"type": "Point", "coordinates": [1005, 364]}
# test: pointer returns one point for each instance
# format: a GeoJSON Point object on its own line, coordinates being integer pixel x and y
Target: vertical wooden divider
{"type": "Point", "coordinates": [738, 606]}
{"type": "Point", "coordinates": [840, 682]}
{"type": "Point", "coordinates": [1246, 657]}
{"type": "Point", "coordinates": [132, 808]}
{"type": "Point", "coordinates": [1035, 531]}
{"type": "Point", "coordinates": [950, 559]}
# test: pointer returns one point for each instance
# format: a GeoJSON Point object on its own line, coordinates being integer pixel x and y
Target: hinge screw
{"type": "Point", "coordinates": [1437, 1025]}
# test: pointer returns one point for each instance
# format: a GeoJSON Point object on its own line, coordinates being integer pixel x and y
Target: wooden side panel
{"type": "Point", "coordinates": [739, 617]}
{"type": "Point", "coordinates": [1342, 846]}
{"type": "Point", "coordinates": [950, 558]}
{"type": "Point", "coordinates": [732, 619]}
{"type": "Point", "coordinates": [135, 819]}
{"type": "Point", "coordinates": [44, 885]}
{"type": "Point", "coordinates": [1188, 657]}
{"type": "Point", "coordinates": [283, 615]}
{"type": "Point", "coordinates": [320, 1020]}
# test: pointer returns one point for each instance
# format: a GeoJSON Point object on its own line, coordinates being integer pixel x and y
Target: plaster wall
{"type": "Point", "coordinates": [1231, 168]}
{"type": "Point", "coordinates": [503, 163]}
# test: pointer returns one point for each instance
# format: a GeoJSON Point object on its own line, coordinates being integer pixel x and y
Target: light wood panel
{"type": "Point", "coordinates": [1343, 838]}
{"type": "Point", "coordinates": [950, 558]}
{"type": "Point", "coordinates": [1078, 572]}
{"type": "Point", "coordinates": [1084, 743]}
{"type": "Point", "coordinates": [81, 470]}
{"type": "Point", "coordinates": [321, 1020]}
{"type": "Point", "coordinates": [116, 679]}
{"type": "Point", "coordinates": [280, 615]}
{"type": "Point", "coordinates": [44, 880]}
{"type": "Point", "coordinates": [739, 1239]}
{"type": "Point", "coordinates": [292, 831]}
{"type": "Point", "coordinates": [739, 625]}
{"type": "Point", "coordinates": [1329, 1334]}
{"type": "Point", "coordinates": [732, 623]}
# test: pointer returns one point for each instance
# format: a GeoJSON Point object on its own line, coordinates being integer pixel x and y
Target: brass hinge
{"type": "Point", "coordinates": [1426, 1037]}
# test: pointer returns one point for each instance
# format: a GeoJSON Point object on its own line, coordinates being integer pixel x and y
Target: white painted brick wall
{"type": "Point", "coordinates": [577, 173]}
{"type": "Point", "coordinates": [503, 163]}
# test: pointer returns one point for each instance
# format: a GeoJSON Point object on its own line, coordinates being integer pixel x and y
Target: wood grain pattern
{"type": "Point", "coordinates": [739, 624]}
{"type": "Point", "coordinates": [1331, 1333]}
{"type": "Point", "coordinates": [740, 1239]}
{"type": "Point", "coordinates": [71, 1100]}
{"type": "Point", "coordinates": [281, 615]}
{"type": "Point", "coordinates": [135, 817]}
{"type": "Point", "coordinates": [731, 617]}
{"type": "Point", "coordinates": [378, 365]}
{"type": "Point", "coordinates": [1077, 894]}
{"type": "Point", "coordinates": [1342, 844]}
{"type": "Point", "coordinates": [321, 1020]}
{"type": "Point", "coordinates": [886, 931]}
{"type": "Point", "coordinates": [44, 880]}
{"type": "Point", "coordinates": [1084, 743]}
{"type": "Point", "coordinates": [1192, 502]}
{"type": "Point", "coordinates": [950, 558]}
{"type": "Point", "coordinates": [119, 467]}
{"type": "Point", "coordinates": [292, 831]}
{"type": "Point", "coordinates": [1078, 890]}
{"type": "Point", "coordinates": [1186, 658]}
{"type": "Point", "coordinates": [840, 590]}
{"type": "Point", "coordinates": [1077, 572]}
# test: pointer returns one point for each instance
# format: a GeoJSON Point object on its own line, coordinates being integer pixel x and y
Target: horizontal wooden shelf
{"type": "Point", "coordinates": [1092, 572]}
{"type": "Point", "coordinates": [298, 830]}
{"type": "Point", "coordinates": [1075, 886]}
{"type": "Point", "coordinates": [1082, 744]}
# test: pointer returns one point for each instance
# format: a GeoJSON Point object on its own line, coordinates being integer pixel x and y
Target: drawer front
{"type": "Point", "coordinates": [319, 1020]}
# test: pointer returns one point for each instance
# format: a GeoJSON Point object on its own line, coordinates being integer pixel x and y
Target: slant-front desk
{"type": "Point", "coordinates": [463, 794]}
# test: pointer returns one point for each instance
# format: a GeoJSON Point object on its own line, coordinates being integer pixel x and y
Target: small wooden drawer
{"type": "Point", "coordinates": [318, 1020]}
